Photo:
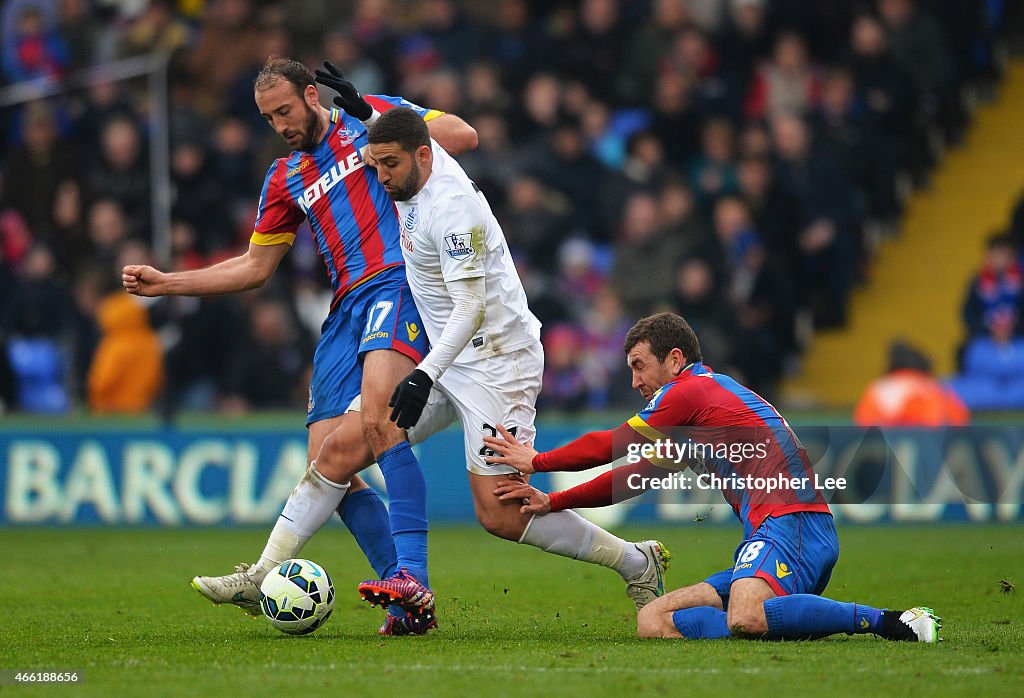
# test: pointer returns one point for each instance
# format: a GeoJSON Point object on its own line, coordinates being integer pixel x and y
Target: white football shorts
{"type": "Point", "coordinates": [496, 390]}
{"type": "Point", "coordinates": [480, 395]}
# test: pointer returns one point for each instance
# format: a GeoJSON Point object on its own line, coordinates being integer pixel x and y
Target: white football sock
{"type": "Point", "coordinates": [308, 509]}
{"type": "Point", "coordinates": [568, 534]}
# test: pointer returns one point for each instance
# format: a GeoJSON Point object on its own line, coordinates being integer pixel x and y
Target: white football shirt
{"type": "Point", "coordinates": [449, 233]}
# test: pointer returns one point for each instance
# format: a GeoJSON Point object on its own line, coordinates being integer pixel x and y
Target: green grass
{"type": "Point", "coordinates": [116, 605]}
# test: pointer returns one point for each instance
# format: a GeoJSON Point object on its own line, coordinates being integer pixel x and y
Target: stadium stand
{"type": "Point", "coordinates": [753, 155]}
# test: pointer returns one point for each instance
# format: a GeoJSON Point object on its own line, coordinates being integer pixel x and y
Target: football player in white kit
{"type": "Point", "coordinates": [486, 360]}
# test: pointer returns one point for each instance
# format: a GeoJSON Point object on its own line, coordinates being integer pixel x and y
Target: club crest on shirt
{"type": "Point", "coordinates": [459, 245]}
{"type": "Point", "coordinates": [408, 225]}
{"type": "Point", "coordinates": [347, 135]}
{"type": "Point", "coordinates": [410, 219]}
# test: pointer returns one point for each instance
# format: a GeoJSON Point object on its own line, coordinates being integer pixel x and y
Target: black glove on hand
{"type": "Point", "coordinates": [409, 399]}
{"type": "Point", "coordinates": [348, 97]}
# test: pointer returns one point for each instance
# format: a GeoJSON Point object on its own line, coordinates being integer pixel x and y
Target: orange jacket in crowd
{"type": "Point", "coordinates": [908, 397]}
{"type": "Point", "coordinates": [127, 371]}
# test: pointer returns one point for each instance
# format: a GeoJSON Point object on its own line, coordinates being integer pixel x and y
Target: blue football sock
{"type": "Point", "coordinates": [407, 507]}
{"type": "Point", "coordinates": [701, 623]}
{"type": "Point", "coordinates": [367, 518]}
{"type": "Point", "coordinates": [806, 616]}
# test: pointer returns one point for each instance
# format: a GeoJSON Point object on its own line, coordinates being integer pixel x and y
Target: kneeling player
{"type": "Point", "coordinates": [790, 545]}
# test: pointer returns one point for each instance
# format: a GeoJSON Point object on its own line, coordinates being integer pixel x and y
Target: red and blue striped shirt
{"type": "Point", "coordinates": [702, 406]}
{"type": "Point", "coordinates": [354, 222]}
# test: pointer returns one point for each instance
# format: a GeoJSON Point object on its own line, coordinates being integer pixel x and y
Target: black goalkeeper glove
{"type": "Point", "coordinates": [348, 97]}
{"type": "Point", "coordinates": [409, 399]}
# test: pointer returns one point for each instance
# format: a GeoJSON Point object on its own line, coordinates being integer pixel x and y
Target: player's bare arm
{"type": "Point", "coordinates": [242, 273]}
{"type": "Point", "coordinates": [452, 133]}
{"type": "Point", "coordinates": [512, 452]}
{"type": "Point", "coordinates": [534, 501]}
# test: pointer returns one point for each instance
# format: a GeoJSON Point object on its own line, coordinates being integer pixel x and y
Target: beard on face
{"type": "Point", "coordinates": [407, 188]}
{"type": "Point", "coordinates": [309, 132]}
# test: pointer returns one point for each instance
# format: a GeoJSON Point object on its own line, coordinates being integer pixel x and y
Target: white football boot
{"type": "Point", "coordinates": [242, 588]}
{"type": "Point", "coordinates": [923, 622]}
{"type": "Point", "coordinates": [649, 584]}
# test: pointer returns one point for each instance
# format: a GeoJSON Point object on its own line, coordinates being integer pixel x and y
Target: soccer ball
{"type": "Point", "coordinates": [297, 596]}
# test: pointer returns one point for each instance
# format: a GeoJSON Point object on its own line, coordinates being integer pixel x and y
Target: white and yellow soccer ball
{"type": "Point", "coordinates": [297, 596]}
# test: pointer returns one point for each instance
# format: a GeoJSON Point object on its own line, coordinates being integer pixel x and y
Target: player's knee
{"type": "Point", "coordinates": [341, 465]}
{"type": "Point", "coordinates": [498, 525]}
{"type": "Point", "coordinates": [746, 623]}
{"type": "Point", "coordinates": [650, 622]}
{"type": "Point", "coordinates": [497, 528]}
{"type": "Point", "coordinates": [343, 453]}
{"type": "Point", "coordinates": [341, 458]}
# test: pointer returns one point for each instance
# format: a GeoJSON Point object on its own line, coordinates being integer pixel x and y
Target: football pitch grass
{"type": "Point", "coordinates": [116, 606]}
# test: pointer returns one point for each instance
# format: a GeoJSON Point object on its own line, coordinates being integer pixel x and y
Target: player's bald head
{"type": "Point", "coordinates": [664, 332]}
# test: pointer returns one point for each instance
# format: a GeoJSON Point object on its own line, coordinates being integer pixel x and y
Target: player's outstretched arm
{"type": "Point", "coordinates": [247, 271]}
{"type": "Point", "coordinates": [510, 451]}
{"type": "Point", "coordinates": [588, 451]}
{"type": "Point", "coordinates": [608, 488]}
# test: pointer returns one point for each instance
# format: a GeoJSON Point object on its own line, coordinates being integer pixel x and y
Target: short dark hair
{"type": "Point", "coordinates": [665, 332]}
{"type": "Point", "coordinates": [903, 355]}
{"type": "Point", "coordinates": [400, 125]}
{"type": "Point", "coordinates": [280, 68]}
{"type": "Point", "coordinates": [999, 239]}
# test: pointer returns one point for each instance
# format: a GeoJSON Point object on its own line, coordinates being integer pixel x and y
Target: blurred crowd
{"type": "Point", "coordinates": [991, 360]}
{"type": "Point", "coordinates": [732, 160]}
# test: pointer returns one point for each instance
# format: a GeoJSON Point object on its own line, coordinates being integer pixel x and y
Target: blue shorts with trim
{"type": "Point", "coordinates": [794, 553]}
{"type": "Point", "coordinates": [378, 314]}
